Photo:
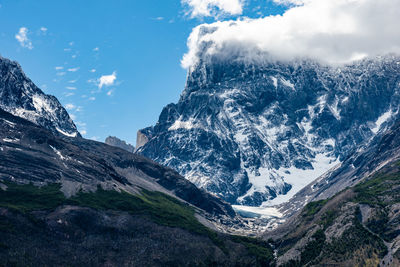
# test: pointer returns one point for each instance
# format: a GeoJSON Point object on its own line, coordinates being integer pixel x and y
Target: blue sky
{"type": "Point", "coordinates": [65, 47]}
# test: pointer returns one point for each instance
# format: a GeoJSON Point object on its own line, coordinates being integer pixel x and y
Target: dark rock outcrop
{"type": "Point", "coordinates": [21, 97]}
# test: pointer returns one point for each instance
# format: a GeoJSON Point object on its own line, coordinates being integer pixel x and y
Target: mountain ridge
{"type": "Point", "coordinates": [247, 132]}
{"type": "Point", "coordinates": [21, 97]}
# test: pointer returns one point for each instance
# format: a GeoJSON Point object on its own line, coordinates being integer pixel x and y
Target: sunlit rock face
{"type": "Point", "coordinates": [22, 98]}
{"type": "Point", "coordinates": [115, 141]}
{"type": "Point", "coordinates": [257, 133]}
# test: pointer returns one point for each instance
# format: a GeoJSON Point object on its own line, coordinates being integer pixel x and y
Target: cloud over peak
{"type": "Point", "coordinates": [331, 31]}
{"type": "Point", "coordinates": [213, 8]}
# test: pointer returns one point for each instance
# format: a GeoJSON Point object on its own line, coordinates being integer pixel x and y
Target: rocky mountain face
{"type": "Point", "coordinates": [367, 159]}
{"type": "Point", "coordinates": [74, 201]}
{"type": "Point", "coordinates": [255, 134]}
{"type": "Point", "coordinates": [359, 226]}
{"type": "Point", "coordinates": [115, 141]}
{"type": "Point", "coordinates": [19, 96]}
{"type": "Point", "coordinates": [31, 154]}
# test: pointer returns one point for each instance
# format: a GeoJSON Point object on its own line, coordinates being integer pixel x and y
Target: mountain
{"type": "Point", "coordinates": [72, 201]}
{"type": "Point", "coordinates": [32, 154]}
{"type": "Point", "coordinates": [359, 224]}
{"type": "Point", "coordinates": [115, 141]}
{"type": "Point", "coordinates": [362, 162]}
{"type": "Point", "coordinates": [19, 96]}
{"type": "Point", "coordinates": [257, 133]}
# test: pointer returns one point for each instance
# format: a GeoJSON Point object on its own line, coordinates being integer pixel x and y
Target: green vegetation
{"type": "Point", "coordinates": [312, 208]}
{"type": "Point", "coordinates": [328, 218]}
{"type": "Point", "coordinates": [259, 248]}
{"type": "Point", "coordinates": [160, 208]}
{"type": "Point", "coordinates": [376, 190]}
{"type": "Point", "coordinates": [354, 238]}
{"type": "Point", "coordinates": [28, 197]}
{"type": "Point", "coordinates": [313, 248]}
{"type": "Point", "coordinates": [311, 251]}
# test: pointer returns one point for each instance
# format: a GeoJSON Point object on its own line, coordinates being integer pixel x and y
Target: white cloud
{"type": "Point", "coordinates": [291, 2]}
{"type": "Point", "coordinates": [107, 80]}
{"type": "Point", "coordinates": [73, 116]}
{"type": "Point", "coordinates": [93, 70]}
{"type": "Point", "coordinates": [73, 69]}
{"type": "Point", "coordinates": [22, 38]}
{"type": "Point", "coordinates": [72, 81]}
{"type": "Point", "coordinates": [61, 73]}
{"type": "Point", "coordinates": [213, 8]}
{"type": "Point", "coordinates": [80, 124]}
{"type": "Point", "coordinates": [332, 31]}
{"type": "Point", "coordinates": [92, 98]}
{"type": "Point", "coordinates": [110, 92]}
{"type": "Point", "coordinates": [96, 49]}
{"type": "Point", "coordinates": [70, 106]}
{"type": "Point", "coordinates": [83, 132]}
{"type": "Point", "coordinates": [43, 29]}
{"type": "Point", "coordinates": [59, 68]}
{"type": "Point", "coordinates": [69, 94]}
{"type": "Point", "coordinates": [71, 88]}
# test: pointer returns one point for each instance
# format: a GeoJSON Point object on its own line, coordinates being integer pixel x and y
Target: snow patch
{"type": "Point", "coordinates": [274, 81]}
{"type": "Point", "coordinates": [262, 211]}
{"type": "Point", "coordinates": [187, 125]}
{"type": "Point", "coordinates": [42, 104]}
{"type": "Point", "coordinates": [12, 124]}
{"type": "Point", "coordinates": [9, 140]}
{"type": "Point", "coordinates": [65, 133]}
{"type": "Point", "coordinates": [382, 119]}
{"type": "Point", "coordinates": [334, 109]}
{"type": "Point", "coordinates": [299, 178]}
{"type": "Point", "coordinates": [287, 83]}
{"type": "Point", "coordinates": [58, 153]}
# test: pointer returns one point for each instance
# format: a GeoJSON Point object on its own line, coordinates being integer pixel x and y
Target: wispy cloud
{"type": "Point", "coordinates": [72, 81]}
{"type": "Point", "coordinates": [110, 92]}
{"type": "Point", "coordinates": [43, 30]}
{"type": "Point", "coordinates": [22, 38]}
{"type": "Point", "coordinates": [61, 73]}
{"type": "Point", "coordinates": [96, 49]}
{"type": "Point", "coordinates": [69, 94]}
{"type": "Point", "coordinates": [70, 106]}
{"type": "Point", "coordinates": [73, 69]}
{"type": "Point", "coordinates": [92, 70]}
{"type": "Point", "coordinates": [71, 88]}
{"type": "Point", "coordinates": [107, 80]}
{"type": "Point", "coordinates": [158, 18]}
{"type": "Point", "coordinates": [92, 98]}
{"type": "Point", "coordinates": [59, 68]}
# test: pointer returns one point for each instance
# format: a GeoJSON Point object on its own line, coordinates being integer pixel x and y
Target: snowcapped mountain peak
{"type": "Point", "coordinates": [21, 97]}
{"type": "Point", "coordinates": [255, 134]}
